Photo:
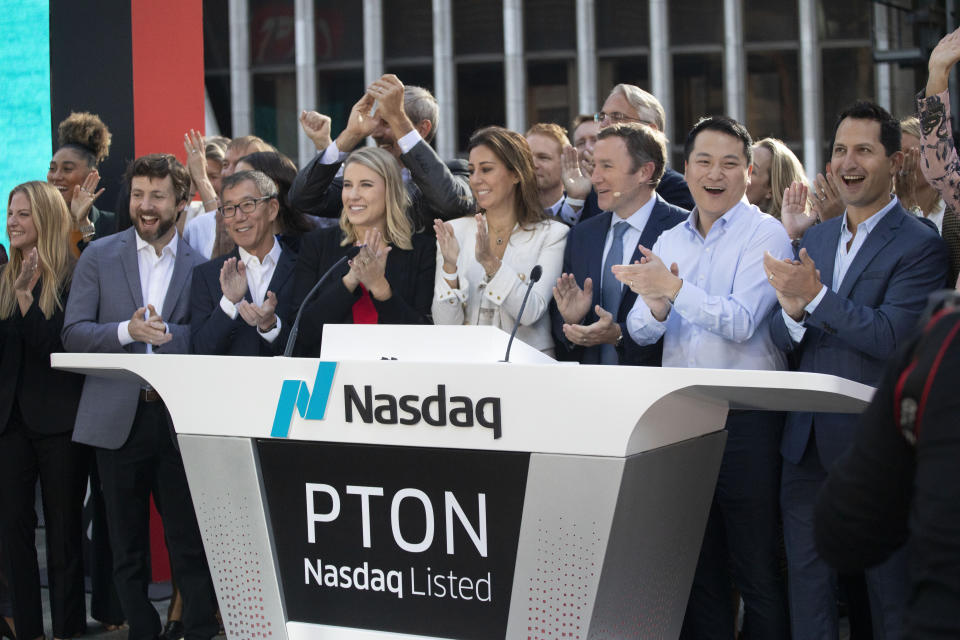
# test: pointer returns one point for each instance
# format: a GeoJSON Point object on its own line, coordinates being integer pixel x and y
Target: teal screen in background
{"type": "Point", "coordinates": [25, 135]}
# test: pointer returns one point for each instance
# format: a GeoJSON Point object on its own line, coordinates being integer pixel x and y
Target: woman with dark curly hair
{"type": "Point", "coordinates": [84, 144]}
{"type": "Point", "coordinates": [35, 433]}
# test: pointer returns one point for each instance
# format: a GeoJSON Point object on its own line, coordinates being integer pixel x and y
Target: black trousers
{"type": "Point", "coordinates": [61, 467]}
{"type": "Point", "coordinates": [149, 463]}
{"type": "Point", "coordinates": [742, 541]}
{"type": "Point", "coordinates": [104, 602]}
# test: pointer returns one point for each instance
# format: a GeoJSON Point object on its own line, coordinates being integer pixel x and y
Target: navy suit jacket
{"type": "Point", "coordinates": [213, 332]}
{"type": "Point", "coordinates": [583, 257]}
{"type": "Point", "coordinates": [855, 330]}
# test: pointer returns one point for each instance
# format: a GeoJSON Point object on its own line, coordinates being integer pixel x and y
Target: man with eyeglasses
{"type": "Point", "coordinates": [241, 301]}
{"type": "Point", "coordinates": [131, 293]}
{"type": "Point", "coordinates": [630, 103]}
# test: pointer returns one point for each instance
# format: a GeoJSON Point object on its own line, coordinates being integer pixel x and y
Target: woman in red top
{"type": "Point", "coordinates": [391, 280]}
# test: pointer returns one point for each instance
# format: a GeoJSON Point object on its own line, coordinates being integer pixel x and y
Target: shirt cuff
{"type": "Point", "coordinates": [228, 308]}
{"type": "Point", "coordinates": [271, 335]}
{"type": "Point", "coordinates": [332, 154]}
{"type": "Point", "coordinates": [813, 304]}
{"type": "Point", "coordinates": [794, 328]}
{"type": "Point", "coordinates": [690, 299]}
{"type": "Point", "coordinates": [123, 333]}
{"type": "Point", "coordinates": [568, 215]}
{"type": "Point", "coordinates": [409, 141]}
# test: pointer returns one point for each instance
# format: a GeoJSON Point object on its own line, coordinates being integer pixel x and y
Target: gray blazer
{"type": "Point", "coordinates": [105, 292]}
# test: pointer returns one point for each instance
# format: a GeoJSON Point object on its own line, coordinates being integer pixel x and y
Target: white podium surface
{"type": "Point", "coordinates": [533, 479]}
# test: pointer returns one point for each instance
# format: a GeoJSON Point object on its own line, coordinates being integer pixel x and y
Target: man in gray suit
{"type": "Point", "coordinates": [131, 293]}
{"type": "Point", "coordinates": [401, 120]}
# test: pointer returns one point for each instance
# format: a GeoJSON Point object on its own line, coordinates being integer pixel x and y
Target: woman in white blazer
{"type": "Point", "coordinates": [484, 261]}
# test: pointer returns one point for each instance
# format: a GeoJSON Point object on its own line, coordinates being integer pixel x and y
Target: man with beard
{"type": "Point", "coordinates": [131, 293]}
{"type": "Point", "coordinates": [401, 120]}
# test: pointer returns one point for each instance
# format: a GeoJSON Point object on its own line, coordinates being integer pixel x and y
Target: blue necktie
{"type": "Point", "coordinates": [611, 289]}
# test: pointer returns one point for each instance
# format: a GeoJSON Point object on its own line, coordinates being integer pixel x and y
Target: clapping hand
{"type": "Point", "coordinates": [483, 252]}
{"type": "Point", "coordinates": [576, 184]}
{"type": "Point", "coordinates": [942, 58]}
{"type": "Point", "coordinates": [83, 198]}
{"type": "Point", "coordinates": [29, 273]}
{"type": "Point", "coordinates": [233, 280]}
{"type": "Point", "coordinates": [797, 282]}
{"type": "Point", "coordinates": [389, 91]}
{"type": "Point", "coordinates": [148, 329]}
{"type": "Point", "coordinates": [603, 331]}
{"type": "Point", "coordinates": [262, 316]}
{"type": "Point", "coordinates": [825, 201]}
{"type": "Point", "coordinates": [573, 303]}
{"type": "Point", "coordinates": [369, 266]}
{"type": "Point", "coordinates": [793, 211]}
{"type": "Point", "coordinates": [317, 127]}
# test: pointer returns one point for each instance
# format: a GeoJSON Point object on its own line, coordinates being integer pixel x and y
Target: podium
{"type": "Point", "coordinates": [371, 499]}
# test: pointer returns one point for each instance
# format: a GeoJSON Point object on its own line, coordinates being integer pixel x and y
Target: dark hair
{"type": "Point", "coordinates": [723, 124]}
{"type": "Point", "coordinates": [86, 134]}
{"type": "Point", "coordinates": [282, 171]}
{"type": "Point", "coordinates": [644, 144]}
{"type": "Point", "coordinates": [890, 132]}
{"type": "Point", "coordinates": [161, 165]}
{"type": "Point", "coordinates": [512, 150]}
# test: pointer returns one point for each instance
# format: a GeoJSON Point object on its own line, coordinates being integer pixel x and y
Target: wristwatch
{"type": "Point", "coordinates": [616, 345]}
{"type": "Point", "coordinates": [88, 230]}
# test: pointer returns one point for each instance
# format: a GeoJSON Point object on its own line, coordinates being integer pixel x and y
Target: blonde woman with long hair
{"type": "Point", "coordinates": [778, 177]}
{"type": "Point", "coordinates": [38, 406]}
{"type": "Point", "coordinates": [391, 280]}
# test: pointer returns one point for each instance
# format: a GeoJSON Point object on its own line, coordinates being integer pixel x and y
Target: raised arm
{"type": "Point", "coordinates": [940, 165]}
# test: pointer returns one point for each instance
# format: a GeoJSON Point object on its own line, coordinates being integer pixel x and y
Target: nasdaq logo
{"type": "Point", "coordinates": [311, 405]}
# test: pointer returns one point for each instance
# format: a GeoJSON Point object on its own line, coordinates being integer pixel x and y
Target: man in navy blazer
{"type": "Point", "coordinates": [241, 302]}
{"type": "Point", "coordinates": [590, 307]}
{"type": "Point", "coordinates": [854, 296]}
{"type": "Point", "coordinates": [131, 293]}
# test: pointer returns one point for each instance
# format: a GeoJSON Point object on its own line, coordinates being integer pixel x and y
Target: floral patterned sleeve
{"type": "Point", "coordinates": [939, 164]}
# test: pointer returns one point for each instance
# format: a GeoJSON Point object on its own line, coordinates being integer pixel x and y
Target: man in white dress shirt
{"type": "Point", "coordinates": [130, 293]}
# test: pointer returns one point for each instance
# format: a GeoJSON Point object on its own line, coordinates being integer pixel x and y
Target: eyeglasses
{"type": "Point", "coordinates": [616, 117]}
{"type": "Point", "coordinates": [247, 206]}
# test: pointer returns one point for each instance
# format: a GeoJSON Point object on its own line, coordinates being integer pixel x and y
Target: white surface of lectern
{"type": "Point", "coordinates": [446, 494]}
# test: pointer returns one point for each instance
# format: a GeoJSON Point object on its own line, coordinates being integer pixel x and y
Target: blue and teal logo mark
{"type": "Point", "coordinates": [311, 405]}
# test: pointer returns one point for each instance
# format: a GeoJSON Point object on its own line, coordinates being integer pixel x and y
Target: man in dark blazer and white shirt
{"type": "Point", "coordinates": [854, 297]}
{"type": "Point", "coordinates": [590, 307]}
{"type": "Point", "coordinates": [401, 120]}
{"type": "Point", "coordinates": [131, 293]}
{"type": "Point", "coordinates": [241, 303]}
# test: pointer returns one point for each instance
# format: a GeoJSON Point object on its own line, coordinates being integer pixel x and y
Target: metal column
{"type": "Point", "coordinates": [514, 70]}
{"type": "Point", "coordinates": [372, 41]}
{"type": "Point", "coordinates": [306, 71]}
{"type": "Point", "coordinates": [810, 88]}
{"type": "Point", "coordinates": [734, 61]}
{"type": "Point", "coordinates": [444, 78]}
{"type": "Point", "coordinates": [586, 58]}
{"type": "Point", "coordinates": [241, 89]}
{"type": "Point", "coordinates": [661, 67]}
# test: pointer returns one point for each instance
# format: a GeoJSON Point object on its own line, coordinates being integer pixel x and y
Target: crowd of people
{"type": "Point", "coordinates": [738, 262]}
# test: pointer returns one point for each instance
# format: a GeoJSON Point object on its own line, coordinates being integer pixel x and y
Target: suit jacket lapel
{"type": "Point", "coordinates": [131, 266]}
{"type": "Point", "coordinates": [596, 239]}
{"type": "Point", "coordinates": [182, 268]}
{"type": "Point", "coordinates": [882, 234]}
{"type": "Point", "coordinates": [282, 271]}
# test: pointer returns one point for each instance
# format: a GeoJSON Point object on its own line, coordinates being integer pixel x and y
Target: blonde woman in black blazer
{"type": "Point", "coordinates": [38, 406]}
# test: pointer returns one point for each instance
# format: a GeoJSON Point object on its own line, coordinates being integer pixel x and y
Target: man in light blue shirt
{"type": "Point", "coordinates": [711, 306]}
{"type": "Point", "coordinates": [854, 296]}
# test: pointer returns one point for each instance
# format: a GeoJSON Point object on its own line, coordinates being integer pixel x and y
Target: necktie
{"type": "Point", "coordinates": [610, 291]}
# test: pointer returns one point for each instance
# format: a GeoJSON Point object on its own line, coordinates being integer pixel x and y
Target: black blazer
{"type": "Point", "coordinates": [212, 332]}
{"type": "Point", "coordinates": [410, 274]}
{"type": "Point", "coordinates": [436, 189]}
{"type": "Point", "coordinates": [48, 397]}
{"type": "Point", "coordinates": [583, 257]}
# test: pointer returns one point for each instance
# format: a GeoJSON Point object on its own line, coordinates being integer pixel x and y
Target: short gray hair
{"type": "Point", "coordinates": [419, 105]}
{"type": "Point", "coordinates": [643, 102]}
{"type": "Point", "coordinates": [261, 181]}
